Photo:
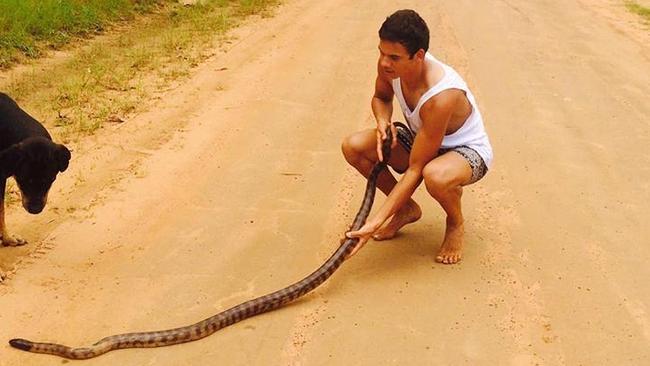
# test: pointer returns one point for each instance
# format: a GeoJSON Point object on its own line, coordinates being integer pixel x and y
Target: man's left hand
{"type": "Point", "coordinates": [363, 235]}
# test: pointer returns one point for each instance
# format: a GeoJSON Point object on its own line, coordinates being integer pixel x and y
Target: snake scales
{"type": "Point", "coordinates": [228, 317]}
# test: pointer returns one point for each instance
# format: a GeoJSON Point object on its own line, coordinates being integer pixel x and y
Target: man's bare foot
{"type": "Point", "coordinates": [411, 212]}
{"type": "Point", "coordinates": [8, 240]}
{"type": "Point", "coordinates": [452, 246]}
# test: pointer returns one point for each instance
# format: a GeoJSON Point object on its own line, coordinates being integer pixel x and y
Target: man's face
{"type": "Point", "coordinates": [394, 60]}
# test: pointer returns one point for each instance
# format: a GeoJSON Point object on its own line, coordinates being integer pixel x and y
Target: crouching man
{"type": "Point", "coordinates": [443, 141]}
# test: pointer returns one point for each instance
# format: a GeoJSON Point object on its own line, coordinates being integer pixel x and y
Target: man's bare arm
{"type": "Point", "coordinates": [382, 108]}
{"type": "Point", "coordinates": [435, 115]}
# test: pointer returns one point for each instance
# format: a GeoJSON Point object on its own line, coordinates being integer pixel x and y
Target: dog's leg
{"type": "Point", "coordinates": [5, 238]}
{"type": "Point", "coordinates": [3, 182]}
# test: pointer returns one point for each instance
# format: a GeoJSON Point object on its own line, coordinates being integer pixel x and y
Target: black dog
{"type": "Point", "coordinates": [28, 154]}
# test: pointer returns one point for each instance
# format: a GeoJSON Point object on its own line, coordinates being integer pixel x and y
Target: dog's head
{"type": "Point", "coordinates": [34, 163]}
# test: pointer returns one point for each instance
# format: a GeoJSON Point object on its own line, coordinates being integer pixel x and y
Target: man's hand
{"type": "Point", "coordinates": [363, 235]}
{"type": "Point", "coordinates": [381, 136]}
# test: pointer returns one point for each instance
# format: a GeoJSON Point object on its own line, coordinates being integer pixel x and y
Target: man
{"type": "Point", "coordinates": [444, 144]}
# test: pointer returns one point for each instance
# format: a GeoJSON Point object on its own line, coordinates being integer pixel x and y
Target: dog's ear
{"type": "Point", "coordinates": [63, 157]}
{"type": "Point", "coordinates": [10, 159]}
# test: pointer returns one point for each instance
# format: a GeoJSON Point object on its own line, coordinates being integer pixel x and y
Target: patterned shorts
{"type": "Point", "coordinates": [479, 169]}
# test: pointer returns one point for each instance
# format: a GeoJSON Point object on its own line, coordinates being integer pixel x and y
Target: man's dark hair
{"type": "Point", "coordinates": [408, 29]}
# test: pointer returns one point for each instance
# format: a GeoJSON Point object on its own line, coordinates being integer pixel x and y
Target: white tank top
{"type": "Point", "coordinates": [471, 133]}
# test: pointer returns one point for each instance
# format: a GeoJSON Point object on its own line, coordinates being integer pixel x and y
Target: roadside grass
{"type": "Point", "coordinates": [28, 27]}
{"type": "Point", "coordinates": [639, 9]}
{"type": "Point", "coordinates": [109, 78]}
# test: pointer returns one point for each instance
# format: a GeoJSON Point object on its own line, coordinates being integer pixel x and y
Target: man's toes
{"type": "Point", "coordinates": [453, 259]}
{"type": "Point", "coordinates": [8, 241]}
{"type": "Point", "coordinates": [448, 258]}
{"type": "Point", "coordinates": [16, 241]}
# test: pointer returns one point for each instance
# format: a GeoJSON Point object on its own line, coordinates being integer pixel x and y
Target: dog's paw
{"type": "Point", "coordinates": [2, 276]}
{"type": "Point", "coordinates": [11, 241]}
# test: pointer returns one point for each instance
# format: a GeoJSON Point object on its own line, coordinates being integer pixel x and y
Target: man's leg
{"type": "Point", "coordinates": [360, 150]}
{"type": "Point", "coordinates": [444, 177]}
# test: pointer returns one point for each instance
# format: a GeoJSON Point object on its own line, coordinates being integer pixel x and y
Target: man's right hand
{"type": "Point", "coordinates": [381, 136]}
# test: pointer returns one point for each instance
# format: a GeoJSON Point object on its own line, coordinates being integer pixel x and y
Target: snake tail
{"type": "Point", "coordinates": [228, 317]}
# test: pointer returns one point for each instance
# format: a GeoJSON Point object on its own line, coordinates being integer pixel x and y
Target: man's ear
{"type": "Point", "coordinates": [420, 54]}
{"type": "Point", "coordinates": [10, 159]}
{"type": "Point", "coordinates": [63, 157]}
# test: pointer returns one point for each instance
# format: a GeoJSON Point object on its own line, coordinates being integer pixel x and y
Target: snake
{"type": "Point", "coordinates": [236, 313]}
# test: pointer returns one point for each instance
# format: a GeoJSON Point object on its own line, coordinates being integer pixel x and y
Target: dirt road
{"type": "Point", "coordinates": [233, 186]}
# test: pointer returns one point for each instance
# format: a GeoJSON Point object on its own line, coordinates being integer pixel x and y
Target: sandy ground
{"type": "Point", "coordinates": [233, 186]}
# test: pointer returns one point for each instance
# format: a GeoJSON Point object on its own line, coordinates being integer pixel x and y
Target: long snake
{"type": "Point", "coordinates": [233, 315]}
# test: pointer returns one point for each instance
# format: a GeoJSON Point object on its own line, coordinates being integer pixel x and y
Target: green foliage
{"type": "Point", "coordinates": [26, 26]}
{"type": "Point", "coordinates": [114, 77]}
{"type": "Point", "coordinates": [641, 10]}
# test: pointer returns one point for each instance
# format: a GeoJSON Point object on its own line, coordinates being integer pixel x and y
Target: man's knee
{"type": "Point", "coordinates": [353, 147]}
{"type": "Point", "coordinates": [348, 148]}
{"type": "Point", "coordinates": [438, 179]}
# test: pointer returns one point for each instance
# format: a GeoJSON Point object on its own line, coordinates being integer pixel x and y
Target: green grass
{"type": "Point", "coordinates": [111, 78]}
{"type": "Point", "coordinates": [638, 9]}
{"type": "Point", "coordinates": [27, 27]}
